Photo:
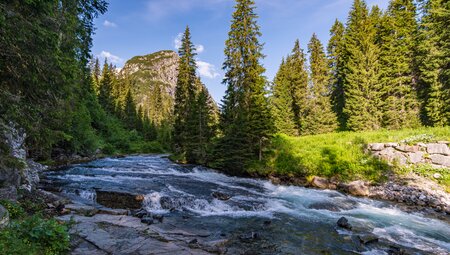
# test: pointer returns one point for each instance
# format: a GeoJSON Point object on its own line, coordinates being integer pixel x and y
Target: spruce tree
{"type": "Point", "coordinates": [336, 64]}
{"type": "Point", "coordinates": [319, 116]}
{"type": "Point", "coordinates": [434, 62]}
{"type": "Point", "coordinates": [297, 74]}
{"type": "Point", "coordinates": [105, 96]}
{"type": "Point", "coordinates": [96, 72]}
{"type": "Point", "coordinates": [362, 85]}
{"type": "Point", "coordinates": [282, 102]}
{"type": "Point", "coordinates": [129, 111]}
{"type": "Point", "coordinates": [246, 119]}
{"type": "Point", "coordinates": [202, 126]}
{"type": "Point", "coordinates": [398, 37]}
{"type": "Point", "coordinates": [185, 92]}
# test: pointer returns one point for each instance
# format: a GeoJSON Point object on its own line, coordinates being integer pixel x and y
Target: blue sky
{"type": "Point", "coordinates": [140, 27]}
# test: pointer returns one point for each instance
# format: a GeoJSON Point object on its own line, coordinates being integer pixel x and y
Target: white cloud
{"type": "Point", "coordinates": [200, 48]}
{"type": "Point", "coordinates": [177, 41]}
{"type": "Point", "coordinates": [207, 70]}
{"type": "Point", "coordinates": [108, 23]}
{"type": "Point", "coordinates": [110, 57]}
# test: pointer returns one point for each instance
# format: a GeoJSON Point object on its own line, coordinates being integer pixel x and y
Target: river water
{"type": "Point", "coordinates": [259, 218]}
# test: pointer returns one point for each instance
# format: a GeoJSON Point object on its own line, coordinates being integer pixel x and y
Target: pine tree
{"type": "Point", "coordinates": [96, 72]}
{"type": "Point", "coordinates": [399, 34]}
{"type": "Point", "coordinates": [433, 62]}
{"type": "Point", "coordinates": [361, 78]}
{"type": "Point", "coordinates": [105, 96]}
{"type": "Point", "coordinates": [246, 118]}
{"type": "Point", "coordinates": [336, 64]}
{"type": "Point", "coordinates": [202, 126]}
{"type": "Point", "coordinates": [319, 117]}
{"type": "Point", "coordinates": [185, 92]}
{"type": "Point", "coordinates": [282, 102]}
{"type": "Point", "coordinates": [129, 111]}
{"type": "Point", "coordinates": [297, 74]}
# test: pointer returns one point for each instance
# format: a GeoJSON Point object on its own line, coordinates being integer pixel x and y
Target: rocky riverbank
{"type": "Point", "coordinates": [414, 192]}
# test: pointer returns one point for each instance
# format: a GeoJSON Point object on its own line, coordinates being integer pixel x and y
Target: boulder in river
{"type": "Point", "coordinates": [319, 182]}
{"type": "Point", "coordinates": [343, 223]}
{"type": "Point", "coordinates": [118, 200]}
{"type": "Point", "coordinates": [221, 196]}
{"type": "Point", "coordinates": [368, 239]}
{"type": "Point", "coordinates": [358, 188]}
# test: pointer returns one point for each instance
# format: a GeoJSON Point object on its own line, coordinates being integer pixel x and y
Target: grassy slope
{"type": "Point", "coordinates": [336, 154]}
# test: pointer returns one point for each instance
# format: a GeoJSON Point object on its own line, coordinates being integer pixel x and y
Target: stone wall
{"type": "Point", "coordinates": [435, 154]}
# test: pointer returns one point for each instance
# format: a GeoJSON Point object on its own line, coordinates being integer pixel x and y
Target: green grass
{"type": "Point", "coordinates": [338, 155]}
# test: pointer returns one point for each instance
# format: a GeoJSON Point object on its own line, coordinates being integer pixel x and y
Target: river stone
{"type": "Point", "coordinates": [440, 160]}
{"type": "Point", "coordinates": [438, 148]}
{"type": "Point", "coordinates": [221, 196]}
{"type": "Point", "coordinates": [358, 188]}
{"type": "Point", "coordinates": [4, 217]}
{"type": "Point", "coordinates": [343, 223]}
{"type": "Point", "coordinates": [368, 239]}
{"type": "Point", "coordinates": [319, 182]}
{"type": "Point", "coordinates": [118, 200]}
{"type": "Point", "coordinates": [437, 176]}
{"type": "Point", "coordinates": [377, 146]}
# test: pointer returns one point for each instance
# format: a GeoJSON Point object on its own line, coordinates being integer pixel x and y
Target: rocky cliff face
{"type": "Point", "coordinates": [153, 79]}
{"type": "Point", "coordinates": [16, 171]}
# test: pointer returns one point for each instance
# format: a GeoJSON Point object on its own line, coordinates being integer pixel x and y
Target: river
{"type": "Point", "coordinates": [259, 218]}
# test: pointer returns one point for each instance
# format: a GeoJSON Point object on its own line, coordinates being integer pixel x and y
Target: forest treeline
{"type": "Point", "coordinates": [380, 70]}
{"type": "Point", "coordinates": [48, 88]}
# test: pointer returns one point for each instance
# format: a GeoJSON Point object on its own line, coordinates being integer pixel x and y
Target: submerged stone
{"type": "Point", "coordinates": [343, 223]}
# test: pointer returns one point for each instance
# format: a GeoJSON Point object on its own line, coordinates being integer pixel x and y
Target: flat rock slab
{"type": "Point", "coordinates": [438, 148]}
{"type": "Point", "coordinates": [114, 234]}
{"type": "Point", "coordinates": [440, 160]}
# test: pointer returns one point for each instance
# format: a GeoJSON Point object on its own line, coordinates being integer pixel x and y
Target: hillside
{"type": "Point", "coordinates": [153, 78]}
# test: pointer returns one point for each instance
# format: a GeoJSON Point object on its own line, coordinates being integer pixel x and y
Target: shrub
{"type": "Point", "coordinates": [35, 235]}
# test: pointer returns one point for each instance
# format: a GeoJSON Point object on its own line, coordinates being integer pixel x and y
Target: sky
{"type": "Point", "coordinates": [139, 27]}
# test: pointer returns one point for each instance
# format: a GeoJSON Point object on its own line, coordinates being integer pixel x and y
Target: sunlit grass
{"type": "Point", "coordinates": [340, 154]}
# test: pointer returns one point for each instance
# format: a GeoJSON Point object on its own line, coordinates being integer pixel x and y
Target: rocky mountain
{"type": "Point", "coordinates": [153, 80]}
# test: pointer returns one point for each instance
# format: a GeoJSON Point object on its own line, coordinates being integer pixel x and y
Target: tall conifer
{"type": "Point", "coordinates": [246, 117]}
{"type": "Point", "coordinates": [434, 63]}
{"type": "Point", "coordinates": [282, 103]}
{"type": "Point", "coordinates": [336, 64]}
{"type": "Point", "coordinates": [298, 83]}
{"type": "Point", "coordinates": [362, 85]}
{"type": "Point", "coordinates": [319, 117]}
{"type": "Point", "coordinates": [399, 34]}
{"type": "Point", "coordinates": [185, 91]}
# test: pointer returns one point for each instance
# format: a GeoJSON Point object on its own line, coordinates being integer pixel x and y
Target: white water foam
{"type": "Point", "coordinates": [406, 237]}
